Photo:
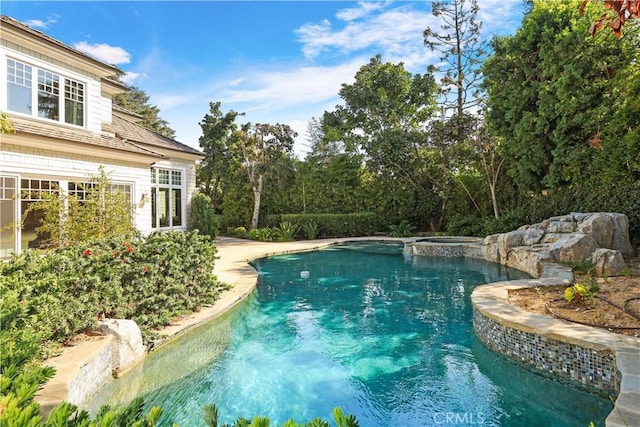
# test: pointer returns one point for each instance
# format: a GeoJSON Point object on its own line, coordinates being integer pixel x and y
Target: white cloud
{"type": "Point", "coordinates": [363, 9]}
{"type": "Point", "coordinates": [237, 81]}
{"type": "Point", "coordinates": [500, 16]}
{"type": "Point", "coordinates": [39, 23]}
{"type": "Point", "coordinates": [395, 33]}
{"type": "Point", "coordinates": [104, 52]}
{"type": "Point", "coordinates": [293, 86]}
{"type": "Point", "coordinates": [130, 77]}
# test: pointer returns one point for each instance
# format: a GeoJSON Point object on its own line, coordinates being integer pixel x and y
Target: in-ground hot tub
{"type": "Point", "coordinates": [452, 246]}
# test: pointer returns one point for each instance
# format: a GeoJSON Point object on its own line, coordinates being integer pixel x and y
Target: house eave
{"type": "Point", "coordinates": [20, 34]}
{"type": "Point", "coordinates": [40, 142]}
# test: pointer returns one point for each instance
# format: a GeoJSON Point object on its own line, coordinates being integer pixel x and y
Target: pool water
{"type": "Point", "coordinates": [386, 337]}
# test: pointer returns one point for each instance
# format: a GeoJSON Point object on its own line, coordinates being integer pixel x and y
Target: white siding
{"type": "Point", "coordinates": [28, 162]}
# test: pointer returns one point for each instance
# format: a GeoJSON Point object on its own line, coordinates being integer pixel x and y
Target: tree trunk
{"type": "Point", "coordinates": [494, 201]}
{"type": "Point", "coordinates": [257, 194]}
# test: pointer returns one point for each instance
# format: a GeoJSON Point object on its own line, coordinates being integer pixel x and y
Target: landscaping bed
{"type": "Point", "coordinates": [615, 306]}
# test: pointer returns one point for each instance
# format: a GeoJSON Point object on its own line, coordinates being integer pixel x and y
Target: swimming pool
{"type": "Point", "coordinates": [388, 338]}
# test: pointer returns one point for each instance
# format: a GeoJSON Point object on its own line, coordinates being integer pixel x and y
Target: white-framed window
{"type": "Point", "coordinates": [42, 93]}
{"type": "Point", "coordinates": [167, 190]}
{"type": "Point", "coordinates": [80, 189]}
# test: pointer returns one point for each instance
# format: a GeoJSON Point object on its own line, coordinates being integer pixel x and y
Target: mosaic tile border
{"type": "Point", "coordinates": [592, 370]}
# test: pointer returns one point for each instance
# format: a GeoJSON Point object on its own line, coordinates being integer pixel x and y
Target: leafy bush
{"type": "Point", "coordinates": [237, 231]}
{"type": "Point", "coordinates": [310, 229]}
{"type": "Point", "coordinates": [150, 280]}
{"type": "Point", "coordinates": [582, 293]}
{"type": "Point", "coordinates": [265, 234]}
{"type": "Point", "coordinates": [404, 229]}
{"type": "Point", "coordinates": [466, 225]}
{"type": "Point", "coordinates": [287, 231]}
{"type": "Point", "coordinates": [202, 216]}
{"type": "Point", "coordinates": [212, 416]}
{"type": "Point", "coordinates": [67, 220]}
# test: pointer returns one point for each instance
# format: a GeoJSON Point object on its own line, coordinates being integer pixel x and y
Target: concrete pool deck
{"type": "Point", "coordinates": [232, 267]}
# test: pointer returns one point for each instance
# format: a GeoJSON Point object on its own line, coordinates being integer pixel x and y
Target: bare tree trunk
{"type": "Point", "coordinates": [257, 194]}
{"type": "Point", "coordinates": [494, 202]}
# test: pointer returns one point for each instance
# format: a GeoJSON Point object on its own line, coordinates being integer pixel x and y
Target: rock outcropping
{"type": "Point", "coordinates": [600, 238]}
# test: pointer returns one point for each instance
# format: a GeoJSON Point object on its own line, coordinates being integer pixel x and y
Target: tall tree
{"type": "Point", "coordinates": [384, 115]}
{"type": "Point", "coordinates": [217, 141]}
{"type": "Point", "coordinates": [458, 40]}
{"type": "Point", "coordinates": [486, 147]}
{"type": "Point", "coordinates": [551, 108]}
{"type": "Point", "coordinates": [262, 147]}
{"type": "Point", "coordinates": [330, 178]}
{"type": "Point", "coordinates": [137, 100]}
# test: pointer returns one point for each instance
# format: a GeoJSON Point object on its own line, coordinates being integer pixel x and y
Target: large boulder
{"type": "Point", "coordinates": [568, 238]}
{"type": "Point", "coordinates": [620, 240]}
{"type": "Point", "coordinates": [528, 260]}
{"type": "Point", "coordinates": [579, 247]}
{"type": "Point", "coordinates": [561, 227]}
{"type": "Point", "coordinates": [600, 226]}
{"type": "Point", "coordinates": [507, 241]}
{"type": "Point", "coordinates": [490, 250]}
{"type": "Point", "coordinates": [127, 347]}
{"type": "Point", "coordinates": [532, 236]}
{"type": "Point", "coordinates": [608, 262]}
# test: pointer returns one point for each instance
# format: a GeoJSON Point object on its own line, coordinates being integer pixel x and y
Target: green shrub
{"type": "Point", "coordinates": [287, 231]}
{"type": "Point", "coordinates": [310, 229]}
{"type": "Point", "coordinates": [67, 220]}
{"type": "Point", "coordinates": [337, 225]}
{"type": "Point", "coordinates": [265, 234]}
{"type": "Point", "coordinates": [202, 216]}
{"type": "Point", "coordinates": [150, 280]}
{"type": "Point", "coordinates": [238, 231]}
{"type": "Point", "coordinates": [404, 229]}
{"type": "Point", "coordinates": [466, 225]}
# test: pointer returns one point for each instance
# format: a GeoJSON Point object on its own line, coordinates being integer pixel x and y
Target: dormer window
{"type": "Point", "coordinates": [23, 92]}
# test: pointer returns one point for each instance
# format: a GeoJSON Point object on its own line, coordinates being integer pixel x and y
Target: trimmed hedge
{"type": "Point", "coordinates": [336, 225]}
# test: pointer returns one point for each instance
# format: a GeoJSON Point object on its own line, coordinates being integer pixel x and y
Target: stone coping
{"type": "Point", "coordinates": [492, 301]}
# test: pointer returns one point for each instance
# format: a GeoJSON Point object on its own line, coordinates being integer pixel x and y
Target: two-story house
{"type": "Point", "coordinates": [59, 103]}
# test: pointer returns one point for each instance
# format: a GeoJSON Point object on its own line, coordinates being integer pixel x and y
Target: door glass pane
{"type": "Point", "coordinates": [177, 207]}
{"type": "Point", "coordinates": [8, 218]}
{"type": "Point", "coordinates": [163, 205]}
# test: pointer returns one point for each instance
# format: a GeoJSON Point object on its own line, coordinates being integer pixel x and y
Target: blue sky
{"type": "Point", "coordinates": [276, 61]}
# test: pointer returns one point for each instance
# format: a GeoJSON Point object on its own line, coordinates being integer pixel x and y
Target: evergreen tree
{"type": "Point", "coordinates": [137, 100]}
